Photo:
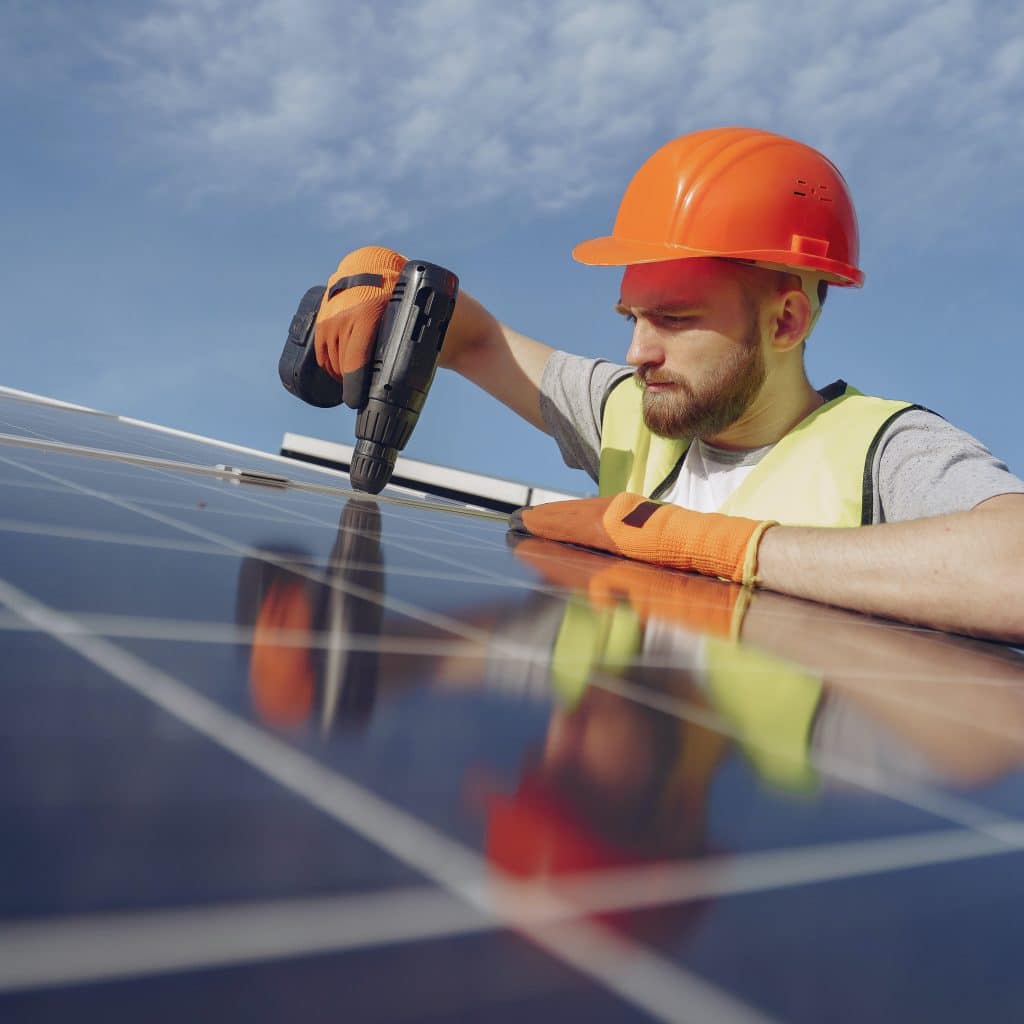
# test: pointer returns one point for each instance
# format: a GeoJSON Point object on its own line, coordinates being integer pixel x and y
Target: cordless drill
{"type": "Point", "coordinates": [405, 353]}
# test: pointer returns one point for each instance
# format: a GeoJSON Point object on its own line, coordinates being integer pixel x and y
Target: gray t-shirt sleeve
{"type": "Point", "coordinates": [572, 393]}
{"type": "Point", "coordinates": [925, 466]}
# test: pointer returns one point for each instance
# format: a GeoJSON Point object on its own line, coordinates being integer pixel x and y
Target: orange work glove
{"type": "Point", "coordinates": [649, 531]}
{"type": "Point", "coordinates": [350, 312]}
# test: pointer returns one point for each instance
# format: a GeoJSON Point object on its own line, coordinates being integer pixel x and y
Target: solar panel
{"type": "Point", "coordinates": [274, 749]}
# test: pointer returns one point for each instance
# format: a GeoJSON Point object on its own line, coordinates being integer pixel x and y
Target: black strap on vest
{"type": "Point", "coordinates": [835, 390]}
{"type": "Point", "coordinates": [355, 281]}
{"type": "Point", "coordinates": [867, 506]}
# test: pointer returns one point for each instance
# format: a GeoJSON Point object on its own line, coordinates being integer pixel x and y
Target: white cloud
{"type": "Point", "coordinates": [456, 103]}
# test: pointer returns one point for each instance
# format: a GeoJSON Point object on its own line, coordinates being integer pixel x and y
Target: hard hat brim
{"type": "Point", "coordinates": [609, 251]}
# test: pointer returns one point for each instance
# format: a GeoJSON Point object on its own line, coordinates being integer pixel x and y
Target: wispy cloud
{"type": "Point", "coordinates": [540, 104]}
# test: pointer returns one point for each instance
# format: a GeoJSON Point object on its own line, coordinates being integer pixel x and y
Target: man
{"type": "Point", "coordinates": [730, 239]}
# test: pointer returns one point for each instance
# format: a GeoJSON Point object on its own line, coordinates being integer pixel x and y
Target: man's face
{"type": "Point", "coordinates": [696, 344]}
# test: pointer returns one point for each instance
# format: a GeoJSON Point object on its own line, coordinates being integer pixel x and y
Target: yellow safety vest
{"type": "Point", "coordinates": [819, 474]}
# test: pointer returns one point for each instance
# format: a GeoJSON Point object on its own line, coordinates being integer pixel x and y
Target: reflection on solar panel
{"type": "Point", "coordinates": [274, 750]}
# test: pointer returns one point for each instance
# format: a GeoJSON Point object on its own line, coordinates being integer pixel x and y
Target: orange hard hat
{"type": "Point", "coordinates": [735, 193]}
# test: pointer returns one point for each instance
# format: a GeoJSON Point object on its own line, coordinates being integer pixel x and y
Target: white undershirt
{"type": "Point", "coordinates": [709, 475]}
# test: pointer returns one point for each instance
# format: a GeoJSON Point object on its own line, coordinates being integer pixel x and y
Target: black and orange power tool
{"type": "Point", "coordinates": [406, 350]}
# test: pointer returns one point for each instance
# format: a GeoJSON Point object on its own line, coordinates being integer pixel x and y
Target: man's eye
{"type": "Point", "coordinates": [675, 320]}
{"type": "Point", "coordinates": [631, 317]}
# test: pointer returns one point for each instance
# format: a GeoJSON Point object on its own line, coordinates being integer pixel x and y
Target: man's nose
{"type": "Point", "coordinates": [645, 349]}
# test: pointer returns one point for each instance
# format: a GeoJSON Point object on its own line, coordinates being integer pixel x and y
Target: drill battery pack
{"type": "Point", "coordinates": [300, 373]}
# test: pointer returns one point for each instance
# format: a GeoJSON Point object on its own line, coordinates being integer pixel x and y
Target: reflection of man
{"type": "Point", "coordinates": [625, 771]}
{"type": "Point", "coordinates": [730, 239]}
{"type": "Point", "coordinates": [801, 685]}
{"type": "Point", "coordinates": [615, 783]}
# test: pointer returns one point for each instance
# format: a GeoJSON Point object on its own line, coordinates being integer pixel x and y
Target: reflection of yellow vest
{"type": "Point", "coordinates": [768, 705]}
{"type": "Point", "coordinates": [819, 474]}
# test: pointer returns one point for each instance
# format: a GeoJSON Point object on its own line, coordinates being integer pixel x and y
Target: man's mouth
{"type": "Point", "coordinates": [657, 383]}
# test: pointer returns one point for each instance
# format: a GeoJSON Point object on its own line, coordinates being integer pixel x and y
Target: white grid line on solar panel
{"type": "Point", "coordinates": [221, 473]}
{"type": "Point", "coordinates": [481, 575]}
{"type": "Point", "coordinates": [176, 505]}
{"type": "Point", "coordinates": [910, 794]}
{"type": "Point", "coordinates": [294, 469]}
{"type": "Point", "coordinates": [107, 947]}
{"type": "Point", "coordinates": [123, 467]}
{"type": "Point", "coordinates": [109, 435]}
{"type": "Point", "coordinates": [437, 620]}
{"type": "Point", "coordinates": [866, 622]}
{"type": "Point", "coordinates": [399, 540]}
{"type": "Point", "coordinates": [647, 660]}
{"type": "Point", "coordinates": [387, 512]}
{"type": "Point", "coordinates": [921, 798]}
{"type": "Point", "coordinates": [82, 431]}
{"type": "Point", "coordinates": [41, 430]}
{"type": "Point", "coordinates": [918, 797]}
{"type": "Point", "coordinates": [198, 632]}
{"type": "Point", "coordinates": [637, 974]}
{"type": "Point", "coordinates": [534, 690]}
{"type": "Point", "coordinates": [477, 535]}
{"type": "Point", "coordinates": [192, 547]}
{"type": "Point", "coordinates": [238, 475]}
{"type": "Point", "coordinates": [54, 407]}
{"type": "Point", "coordinates": [413, 545]}
{"type": "Point", "coordinates": [60, 951]}
{"type": "Point", "coordinates": [145, 427]}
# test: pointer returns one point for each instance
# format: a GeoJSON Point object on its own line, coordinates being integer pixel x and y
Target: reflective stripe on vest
{"type": "Point", "coordinates": [819, 474]}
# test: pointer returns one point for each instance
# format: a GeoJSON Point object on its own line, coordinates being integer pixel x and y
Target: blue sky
{"type": "Point", "coordinates": [177, 173]}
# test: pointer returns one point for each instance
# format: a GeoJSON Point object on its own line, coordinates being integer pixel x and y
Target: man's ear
{"type": "Point", "coordinates": [791, 319]}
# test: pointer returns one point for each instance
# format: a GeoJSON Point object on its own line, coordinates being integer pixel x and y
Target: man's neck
{"type": "Point", "coordinates": [778, 408]}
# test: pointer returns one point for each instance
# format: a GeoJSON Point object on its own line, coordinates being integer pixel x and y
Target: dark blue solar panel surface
{"type": "Point", "coordinates": [271, 753]}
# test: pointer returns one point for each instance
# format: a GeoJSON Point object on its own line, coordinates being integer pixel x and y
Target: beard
{"type": "Point", "coordinates": [704, 408]}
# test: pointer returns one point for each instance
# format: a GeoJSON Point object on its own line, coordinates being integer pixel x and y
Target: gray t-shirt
{"type": "Point", "coordinates": [923, 465]}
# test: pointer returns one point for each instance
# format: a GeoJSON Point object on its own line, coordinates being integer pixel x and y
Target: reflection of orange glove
{"type": "Point", "coordinates": [281, 675]}
{"type": "Point", "coordinates": [707, 606]}
{"type": "Point", "coordinates": [346, 325]}
{"type": "Point", "coordinates": [634, 526]}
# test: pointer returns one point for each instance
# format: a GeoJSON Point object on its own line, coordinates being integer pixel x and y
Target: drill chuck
{"type": "Point", "coordinates": [372, 466]}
